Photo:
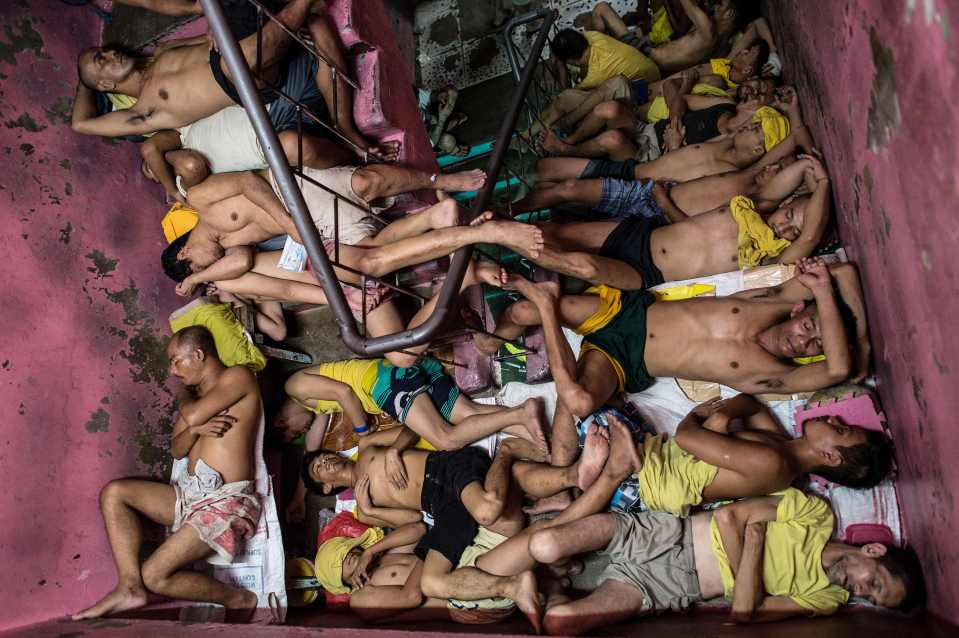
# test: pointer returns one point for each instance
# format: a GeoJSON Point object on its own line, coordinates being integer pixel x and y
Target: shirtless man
{"type": "Point", "coordinates": [759, 142]}
{"type": "Point", "coordinates": [238, 210]}
{"type": "Point", "coordinates": [708, 460]}
{"type": "Point", "coordinates": [464, 492]}
{"type": "Point", "coordinates": [746, 341]}
{"type": "Point", "coordinates": [653, 562]}
{"type": "Point", "coordinates": [212, 508]}
{"type": "Point", "coordinates": [639, 249]}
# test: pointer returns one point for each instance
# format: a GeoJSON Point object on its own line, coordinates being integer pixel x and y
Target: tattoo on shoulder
{"type": "Point", "coordinates": [772, 383]}
{"type": "Point", "coordinates": [136, 119]}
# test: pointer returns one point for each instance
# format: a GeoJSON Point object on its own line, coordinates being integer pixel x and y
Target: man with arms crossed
{"type": "Point", "coordinates": [213, 507]}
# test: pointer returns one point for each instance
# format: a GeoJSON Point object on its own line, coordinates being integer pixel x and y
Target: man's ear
{"type": "Point", "coordinates": [831, 458]}
{"type": "Point", "coordinates": [103, 85]}
{"type": "Point", "coordinates": [200, 354]}
{"type": "Point", "coordinates": [797, 308]}
{"type": "Point", "coordinates": [873, 550]}
{"type": "Point", "coordinates": [327, 489]}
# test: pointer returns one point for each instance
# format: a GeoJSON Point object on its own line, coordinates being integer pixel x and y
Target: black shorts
{"type": "Point", "coordinates": [625, 170]}
{"type": "Point", "coordinates": [447, 475]}
{"type": "Point", "coordinates": [629, 242]}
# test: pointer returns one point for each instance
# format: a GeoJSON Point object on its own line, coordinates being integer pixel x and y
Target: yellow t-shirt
{"type": "Point", "coordinates": [658, 110]}
{"type": "Point", "coordinates": [672, 480]}
{"type": "Point", "coordinates": [792, 555]}
{"type": "Point", "coordinates": [608, 57]}
{"type": "Point", "coordinates": [359, 374]}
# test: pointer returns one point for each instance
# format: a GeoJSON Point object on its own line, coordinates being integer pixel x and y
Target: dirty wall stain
{"type": "Point", "coordinates": [26, 40]}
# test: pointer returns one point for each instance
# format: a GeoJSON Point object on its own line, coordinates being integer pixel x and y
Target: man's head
{"type": "Point", "coordinates": [848, 455]}
{"type": "Point", "coordinates": [801, 334]}
{"type": "Point", "coordinates": [190, 351]}
{"type": "Point", "coordinates": [787, 221]}
{"type": "Point", "coordinates": [338, 558]}
{"type": "Point", "coordinates": [569, 46]}
{"type": "Point", "coordinates": [293, 419]}
{"type": "Point", "coordinates": [750, 140]}
{"type": "Point", "coordinates": [325, 472]}
{"type": "Point", "coordinates": [761, 91]}
{"type": "Point", "coordinates": [890, 577]}
{"type": "Point", "coordinates": [189, 253]}
{"type": "Point", "coordinates": [749, 62]}
{"type": "Point", "coordinates": [105, 68]}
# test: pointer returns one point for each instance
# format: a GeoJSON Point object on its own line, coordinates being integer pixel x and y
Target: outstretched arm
{"type": "Point", "coordinates": [115, 123]}
{"type": "Point", "coordinates": [816, 217]}
{"type": "Point", "coordinates": [758, 29]}
{"type": "Point", "coordinates": [308, 386]}
{"type": "Point", "coordinates": [700, 19]}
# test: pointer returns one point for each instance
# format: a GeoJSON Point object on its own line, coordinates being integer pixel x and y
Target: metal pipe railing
{"type": "Point", "coordinates": [293, 198]}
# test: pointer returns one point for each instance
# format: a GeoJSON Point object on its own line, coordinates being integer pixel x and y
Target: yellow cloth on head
{"type": "Point", "coordinates": [775, 126]}
{"type": "Point", "coordinates": [672, 480]}
{"type": "Point", "coordinates": [721, 67]}
{"type": "Point", "coordinates": [232, 345]}
{"type": "Point", "coordinates": [609, 57]}
{"type": "Point", "coordinates": [662, 29]}
{"type": "Point", "coordinates": [178, 221]}
{"type": "Point", "coordinates": [659, 111]}
{"type": "Point", "coordinates": [792, 554]}
{"type": "Point", "coordinates": [756, 239]}
{"type": "Point", "coordinates": [359, 374]}
{"type": "Point", "coordinates": [332, 553]}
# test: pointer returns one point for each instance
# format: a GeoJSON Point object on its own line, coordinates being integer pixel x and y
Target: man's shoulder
{"type": "Point", "coordinates": [238, 374]}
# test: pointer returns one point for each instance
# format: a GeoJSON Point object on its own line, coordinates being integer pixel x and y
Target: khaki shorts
{"type": "Point", "coordinates": [495, 608]}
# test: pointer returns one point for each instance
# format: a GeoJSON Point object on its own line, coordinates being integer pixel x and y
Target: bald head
{"type": "Point", "coordinates": [195, 338]}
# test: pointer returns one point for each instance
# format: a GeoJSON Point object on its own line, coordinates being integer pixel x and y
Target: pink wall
{"type": "Point", "coordinates": [878, 82]}
{"type": "Point", "coordinates": [83, 304]}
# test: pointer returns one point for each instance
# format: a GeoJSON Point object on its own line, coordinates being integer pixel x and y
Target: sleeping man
{"type": "Point", "coordinates": [212, 509]}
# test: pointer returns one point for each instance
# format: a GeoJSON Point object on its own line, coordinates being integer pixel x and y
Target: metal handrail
{"type": "Point", "coordinates": [295, 204]}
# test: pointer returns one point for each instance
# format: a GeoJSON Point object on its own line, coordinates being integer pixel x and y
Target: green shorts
{"type": "Point", "coordinates": [395, 388]}
{"type": "Point", "coordinates": [623, 341]}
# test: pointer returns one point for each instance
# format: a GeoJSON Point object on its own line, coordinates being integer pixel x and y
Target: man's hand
{"type": "Point", "coordinates": [756, 533]}
{"type": "Point", "coordinates": [186, 287]}
{"type": "Point", "coordinates": [296, 510]}
{"type": "Point", "coordinates": [396, 469]}
{"type": "Point", "coordinates": [362, 493]}
{"type": "Point", "coordinates": [814, 274]}
{"type": "Point", "coordinates": [674, 135]}
{"type": "Point", "coordinates": [774, 65]}
{"type": "Point", "coordinates": [362, 573]}
{"type": "Point", "coordinates": [786, 100]}
{"type": "Point", "coordinates": [215, 427]}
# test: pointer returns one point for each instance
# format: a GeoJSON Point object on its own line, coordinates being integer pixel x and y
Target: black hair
{"type": "Point", "coordinates": [864, 465]}
{"type": "Point", "coordinates": [761, 59]}
{"type": "Point", "coordinates": [196, 338]}
{"type": "Point", "coordinates": [903, 563]}
{"type": "Point", "coordinates": [308, 480]}
{"type": "Point", "coordinates": [176, 269]}
{"type": "Point", "coordinates": [568, 45]}
{"type": "Point", "coordinates": [849, 322]}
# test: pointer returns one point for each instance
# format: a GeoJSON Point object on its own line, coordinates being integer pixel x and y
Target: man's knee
{"type": "Point", "coordinates": [372, 262]}
{"type": "Point", "coordinates": [154, 577]}
{"type": "Point", "coordinates": [609, 110]}
{"type": "Point", "coordinates": [580, 402]}
{"type": "Point", "coordinates": [614, 140]}
{"type": "Point", "coordinates": [435, 585]}
{"type": "Point", "coordinates": [522, 313]}
{"type": "Point", "coordinates": [368, 183]}
{"type": "Point", "coordinates": [544, 546]}
{"type": "Point", "coordinates": [488, 510]}
{"type": "Point", "coordinates": [583, 266]}
{"type": "Point", "coordinates": [616, 87]}
{"type": "Point", "coordinates": [569, 188]}
{"type": "Point", "coordinates": [113, 492]}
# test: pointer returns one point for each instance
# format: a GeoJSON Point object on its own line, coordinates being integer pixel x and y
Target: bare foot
{"type": "Point", "coordinates": [593, 458]}
{"type": "Point", "coordinates": [552, 144]}
{"type": "Point", "coordinates": [463, 181]}
{"type": "Point", "coordinates": [244, 610]}
{"type": "Point", "coordinates": [533, 422]}
{"type": "Point", "coordinates": [540, 293]}
{"type": "Point", "coordinates": [120, 599]}
{"type": "Point", "coordinates": [521, 448]}
{"type": "Point", "coordinates": [486, 272]}
{"type": "Point", "coordinates": [623, 458]}
{"type": "Point", "coordinates": [389, 152]}
{"type": "Point", "coordinates": [554, 503]}
{"type": "Point", "coordinates": [482, 218]}
{"type": "Point", "coordinates": [525, 239]}
{"type": "Point", "coordinates": [526, 596]}
{"type": "Point", "coordinates": [444, 216]}
{"type": "Point", "coordinates": [487, 344]}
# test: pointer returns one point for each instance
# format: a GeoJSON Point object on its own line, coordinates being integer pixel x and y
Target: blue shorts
{"type": "Point", "coordinates": [628, 198]}
{"type": "Point", "coordinates": [639, 91]}
{"type": "Point", "coordinates": [396, 388]}
{"type": "Point", "coordinates": [627, 498]}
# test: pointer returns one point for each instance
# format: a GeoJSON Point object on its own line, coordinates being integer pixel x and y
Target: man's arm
{"type": "Point", "coordinates": [733, 519]}
{"type": "Point", "coordinates": [379, 603]}
{"type": "Point", "coordinates": [84, 106]}
{"type": "Point", "coordinates": [850, 290]}
{"type": "Point", "coordinates": [233, 385]}
{"type": "Point", "coordinates": [257, 190]}
{"type": "Point", "coordinates": [115, 123]}
{"type": "Point", "coordinates": [306, 386]}
{"type": "Point", "coordinates": [402, 538]}
{"type": "Point", "coordinates": [758, 29]}
{"type": "Point", "coordinates": [153, 151]}
{"type": "Point", "coordinates": [662, 198]}
{"type": "Point", "coordinates": [814, 223]}
{"type": "Point", "coordinates": [700, 19]}
{"type": "Point", "coordinates": [367, 512]}
{"type": "Point", "coordinates": [236, 261]}
{"type": "Point", "coordinates": [782, 185]}
{"type": "Point", "coordinates": [177, 8]}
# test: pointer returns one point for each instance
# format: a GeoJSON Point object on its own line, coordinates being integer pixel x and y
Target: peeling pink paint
{"type": "Point", "coordinates": [84, 302]}
{"type": "Point", "coordinates": [861, 66]}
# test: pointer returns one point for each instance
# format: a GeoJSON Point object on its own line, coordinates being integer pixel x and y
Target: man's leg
{"type": "Point", "coordinates": [613, 143]}
{"type": "Point", "coordinates": [612, 602]}
{"type": "Point", "coordinates": [569, 190]}
{"type": "Point", "coordinates": [611, 23]}
{"type": "Point", "coordinates": [553, 169]}
{"type": "Point", "coordinates": [440, 580]}
{"type": "Point", "coordinates": [573, 249]}
{"type": "Point", "coordinates": [163, 573]}
{"type": "Point", "coordinates": [613, 88]}
{"type": "Point", "coordinates": [383, 180]}
{"type": "Point", "coordinates": [317, 152]}
{"type": "Point", "coordinates": [120, 501]}
{"type": "Point", "coordinates": [274, 40]}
